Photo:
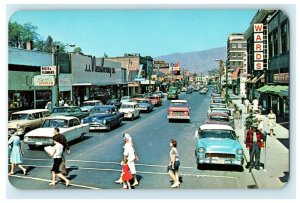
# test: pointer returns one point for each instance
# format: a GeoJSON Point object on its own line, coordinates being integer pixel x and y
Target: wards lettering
{"type": "Point", "coordinates": [99, 69]}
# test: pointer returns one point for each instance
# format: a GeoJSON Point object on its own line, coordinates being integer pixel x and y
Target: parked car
{"type": "Point", "coordinates": [104, 118]}
{"type": "Point", "coordinates": [24, 121]}
{"type": "Point", "coordinates": [183, 89]}
{"type": "Point", "coordinates": [217, 144]}
{"type": "Point", "coordinates": [88, 105]}
{"type": "Point", "coordinates": [203, 91]}
{"type": "Point", "coordinates": [221, 110]}
{"type": "Point", "coordinates": [126, 99]}
{"type": "Point", "coordinates": [172, 93]}
{"type": "Point", "coordinates": [69, 111]}
{"type": "Point", "coordinates": [130, 110]}
{"type": "Point", "coordinates": [155, 100]}
{"type": "Point", "coordinates": [213, 94]}
{"type": "Point", "coordinates": [144, 105]}
{"type": "Point", "coordinates": [115, 102]}
{"type": "Point", "coordinates": [219, 118]}
{"type": "Point", "coordinates": [69, 126]}
{"type": "Point", "coordinates": [179, 109]}
{"type": "Point", "coordinates": [189, 90]}
{"type": "Point", "coordinates": [160, 93]}
{"type": "Point", "coordinates": [218, 100]}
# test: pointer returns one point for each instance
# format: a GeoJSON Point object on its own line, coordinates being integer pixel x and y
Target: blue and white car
{"type": "Point", "coordinates": [217, 144]}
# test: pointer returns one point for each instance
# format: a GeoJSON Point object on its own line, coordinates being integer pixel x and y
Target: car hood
{"type": "Point", "coordinates": [13, 123]}
{"type": "Point", "coordinates": [87, 107]}
{"type": "Point", "coordinates": [217, 122]}
{"type": "Point", "coordinates": [144, 104]}
{"type": "Point", "coordinates": [219, 145]}
{"type": "Point", "coordinates": [126, 110]}
{"type": "Point", "coordinates": [44, 132]}
{"type": "Point", "coordinates": [97, 116]}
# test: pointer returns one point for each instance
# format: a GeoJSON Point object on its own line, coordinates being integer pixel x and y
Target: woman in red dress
{"type": "Point", "coordinates": [126, 175]}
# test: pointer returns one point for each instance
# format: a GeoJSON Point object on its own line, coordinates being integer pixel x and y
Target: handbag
{"type": "Point", "coordinates": [50, 150]}
{"type": "Point", "coordinates": [176, 166]}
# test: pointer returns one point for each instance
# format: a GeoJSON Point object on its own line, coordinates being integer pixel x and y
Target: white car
{"type": "Point", "coordinates": [130, 110]}
{"type": "Point", "coordinates": [69, 126]}
{"type": "Point", "coordinates": [126, 99]}
{"type": "Point", "coordinates": [88, 105]}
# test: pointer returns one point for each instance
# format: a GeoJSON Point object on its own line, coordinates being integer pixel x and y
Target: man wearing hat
{"type": "Point", "coordinates": [254, 143]}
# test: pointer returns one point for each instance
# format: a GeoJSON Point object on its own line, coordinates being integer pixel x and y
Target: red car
{"type": "Point", "coordinates": [179, 109]}
{"type": "Point", "coordinates": [155, 100]}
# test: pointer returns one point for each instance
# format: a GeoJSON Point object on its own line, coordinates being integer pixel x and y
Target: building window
{"type": "Point", "coordinates": [271, 46]}
{"type": "Point", "coordinates": [233, 45]}
{"type": "Point", "coordinates": [239, 54]}
{"type": "Point", "coordinates": [233, 55]}
{"type": "Point", "coordinates": [245, 45]}
{"type": "Point", "coordinates": [239, 45]}
{"type": "Point", "coordinates": [284, 38]}
{"type": "Point", "coordinates": [275, 36]}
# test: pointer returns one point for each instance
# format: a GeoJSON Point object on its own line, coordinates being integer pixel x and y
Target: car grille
{"type": "Point", "coordinates": [219, 155]}
{"type": "Point", "coordinates": [178, 113]}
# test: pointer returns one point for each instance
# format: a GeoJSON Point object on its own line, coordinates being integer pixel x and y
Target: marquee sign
{"type": "Point", "coordinates": [260, 47]}
{"type": "Point", "coordinates": [43, 80]}
{"type": "Point", "coordinates": [48, 70]}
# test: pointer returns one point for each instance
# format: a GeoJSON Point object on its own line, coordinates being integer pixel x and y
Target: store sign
{"type": "Point", "coordinates": [160, 64]}
{"type": "Point", "coordinates": [43, 80]}
{"type": "Point", "coordinates": [260, 46]}
{"type": "Point", "coordinates": [48, 70]}
{"type": "Point", "coordinates": [65, 82]}
{"type": "Point", "coordinates": [281, 78]}
{"type": "Point", "coordinates": [99, 69]}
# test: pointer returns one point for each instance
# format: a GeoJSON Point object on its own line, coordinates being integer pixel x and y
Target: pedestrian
{"type": "Point", "coordinates": [63, 140]}
{"type": "Point", "coordinates": [61, 102]}
{"type": "Point", "coordinates": [237, 116]}
{"type": "Point", "coordinates": [16, 154]}
{"type": "Point", "coordinates": [255, 105]}
{"type": "Point", "coordinates": [247, 105]}
{"type": "Point", "coordinates": [254, 143]}
{"type": "Point", "coordinates": [271, 122]}
{"type": "Point", "coordinates": [56, 154]}
{"type": "Point", "coordinates": [174, 163]}
{"type": "Point", "coordinates": [126, 175]}
{"type": "Point", "coordinates": [260, 120]}
{"type": "Point", "coordinates": [49, 106]}
{"type": "Point", "coordinates": [129, 153]}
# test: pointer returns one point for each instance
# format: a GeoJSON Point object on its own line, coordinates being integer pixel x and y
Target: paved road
{"type": "Point", "coordinates": [95, 162]}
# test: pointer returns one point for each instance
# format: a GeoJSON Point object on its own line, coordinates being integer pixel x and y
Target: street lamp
{"type": "Point", "coordinates": [55, 50]}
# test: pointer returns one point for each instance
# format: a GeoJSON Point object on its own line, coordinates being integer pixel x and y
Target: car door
{"type": "Point", "coordinates": [71, 131]}
{"type": "Point", "coordinates": [80, 128]}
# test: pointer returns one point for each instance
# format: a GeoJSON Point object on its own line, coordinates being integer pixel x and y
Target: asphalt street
{"type": "Point", "coordinates": [95, 162]}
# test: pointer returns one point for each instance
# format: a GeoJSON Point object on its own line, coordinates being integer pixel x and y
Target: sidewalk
{"type": "Point", "coordinates": [275, 156]}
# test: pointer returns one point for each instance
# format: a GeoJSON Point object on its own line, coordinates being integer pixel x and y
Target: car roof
{"type": "Point", "coordinates": [61, 117]}
{"type": "Point", "coordinates": [92, 101]}
{"type": "Point", "coordinates": [31, 111]}
{"type": "Point", "coordinates": [218, 114]}
{"type": "Point", "coordinates": [219, 108]}
{"type": "Point", "coordinates": [64, 107]}
{"type": "Point", "coordinates": [179, 101]}
{"type": "Point", "coordinates": [215, 127]}
{"type": "Point", "coordinates": [130, 103]}
{"type": "Point", "coordinates": [105, 106]}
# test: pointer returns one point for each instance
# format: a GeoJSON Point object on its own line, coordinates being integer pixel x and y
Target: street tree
{"type": "Point", "coordinates": [77, 50]}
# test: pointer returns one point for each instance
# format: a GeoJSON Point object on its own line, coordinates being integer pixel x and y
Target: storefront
{"type": "Point", "coordinates": [96, 78]}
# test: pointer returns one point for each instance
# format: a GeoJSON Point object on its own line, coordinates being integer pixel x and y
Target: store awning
{"type": "Point", "coordinates": [264, 88]}
{"type": "Point", "coordinates": [277, 89]}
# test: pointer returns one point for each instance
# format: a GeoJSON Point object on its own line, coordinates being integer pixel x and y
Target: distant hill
{"type": "Point", "coordinates": [199, 61]}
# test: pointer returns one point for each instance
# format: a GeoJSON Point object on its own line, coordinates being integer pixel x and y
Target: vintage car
{"type": "Point", "coordinates": [189, 90]}
{"type": "Point", "coordinates": [144, 105]}
{"type": "Point", "coordinates": [203, 90]}
{"type": "Point", "coordinates": [155, 100]}
{"type": "Point", "coordinates": [217, 100]}
{"type": "Point", "coordinates": [214, 94]}
{"type": "Point", "coordinates": [88, 105]}
{"type": "Point", "coordinates": [172, 93]}
{"type": "Point", "coordinates": [219, 118]}
{"type": "Point", "coordinates": [130, 110]}
{"type": "Point", "coordinates": [69, 126]}
{"type": "Point", "coordinates": [115, 102]}
{"type": "Point", "coordinates": [183, 89]}
{"type": "Point", "coordinates": [179, 109]}
{"type": "Point", "coordinates": [159, 93]}
{"type": "Point", "coordinates": [104, 118]}
{"type": "Point", "coordinates": [126, 99]}
{"type": "Point", "coordinates": [221, 110]}
{"type": "Point", "coordinates": [69, 111]}
{"type": "Point", "coordinates": [24, 121]}
{"type": "Point", "coordinates": [217, 144]}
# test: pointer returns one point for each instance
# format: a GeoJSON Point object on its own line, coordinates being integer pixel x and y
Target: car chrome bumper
{"type": "Point", "coordinates": [179, 117]}
{"type": "Point", "coordinates": [226, 161]}
{"type": "Point", "coordinates": [39, 143]}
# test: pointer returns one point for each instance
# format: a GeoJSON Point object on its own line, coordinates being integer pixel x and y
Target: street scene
{"type": "Point", "coordinates": [97, 116]}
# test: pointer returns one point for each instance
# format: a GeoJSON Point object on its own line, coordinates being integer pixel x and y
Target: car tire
{"type": "Point", "coordinates": [81, 138]}
{"type": "Point", "coordinates": [199, 167]}
{"type": "Point", "coordinates": [108, 127]}
{"type": "Point", "coordinates": [132, 117]}
{"type": "Point", "coordinates": [31, 146]}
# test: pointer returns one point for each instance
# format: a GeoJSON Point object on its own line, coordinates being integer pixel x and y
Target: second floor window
{"type": "Point", "coordinates": [284, 38]}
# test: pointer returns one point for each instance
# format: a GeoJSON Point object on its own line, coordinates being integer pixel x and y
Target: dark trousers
{"type": "Point", "coordinates": [255, 155]}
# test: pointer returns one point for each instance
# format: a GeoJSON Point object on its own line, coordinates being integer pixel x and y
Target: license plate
{"type": "Point", "coordinates": [39, 143]}
{"type": "Point", "coordinates": [220, 161]}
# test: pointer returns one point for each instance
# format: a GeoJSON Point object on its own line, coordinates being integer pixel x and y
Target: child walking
{"type": "Point", "coordinates": [126, 175]}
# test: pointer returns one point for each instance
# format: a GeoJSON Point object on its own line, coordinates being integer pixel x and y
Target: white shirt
{"type": "Point", "coordinates": [129, 151]}
{"type": "Point", "coordinates": [58, 150]}
{"type": "Point", "coordinates": [255, 104]}
{"type": "Point", "coordinates": [247, 102]}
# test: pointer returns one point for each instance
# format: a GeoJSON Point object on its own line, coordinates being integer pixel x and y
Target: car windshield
{"type": "Point", "coordinates": [19, 116]}
{"type": "Point", "coordinates": [218, 106]}
{"type": "Point", "coordinates": [55, 123]}
{"type": "Point", "coordinates": [89, 104]}
{"type": "Point", "coordinates": [61, 110]}
{"type": "Point", "coordinates": [143, 101]}
{"type": "Point", "coordinates": [172, 91]}
{"type": "Point", "coordinates": [220, 134]}
{"type": "Point", "coordinates": [219, 118]}
{"type": "Point", "coordinates": [125, 98]}
{"type": "Point", "coordinates": [221, 111]}
{"type": "Point", "coordinates": [127, 106]}
{"type": "Point", "coordinates": [218, 101]}
{"type": "Point", "coordinates": [178, 104]}
{"type": "Point", "coordinates": [100, 110]}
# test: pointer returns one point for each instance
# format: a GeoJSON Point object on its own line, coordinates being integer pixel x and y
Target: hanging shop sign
{"type": "Point", "coordinates": [43, 80]}
{"type": "Point", "coordinates": [281, 78]}
{"type": "Point", "coordinates": [260, 46]}
{"type": "Point", "coordinates": [48, 70]}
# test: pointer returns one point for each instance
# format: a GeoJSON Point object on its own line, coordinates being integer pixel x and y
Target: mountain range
{"type": "Point", "coordinates": [198, 61]}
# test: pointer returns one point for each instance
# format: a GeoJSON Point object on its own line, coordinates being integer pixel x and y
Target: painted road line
{"type": "Point", "coordinates": [46, 180]}
{"type": "Point", "coordinates": [143, 172]}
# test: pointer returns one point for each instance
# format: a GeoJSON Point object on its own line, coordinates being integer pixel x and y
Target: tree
{"type": "Point", "coordinates": [77, 50]}
{"type": "Point", "coordinates": [48, 44]}
{"type": "Point", "coordinates": [29, 33]}
{"type": "Point", "coordinates": [250, 120]}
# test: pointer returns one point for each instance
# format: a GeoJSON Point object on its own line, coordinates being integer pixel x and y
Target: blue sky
{"type": "Point", "coordinates": [148, 32]}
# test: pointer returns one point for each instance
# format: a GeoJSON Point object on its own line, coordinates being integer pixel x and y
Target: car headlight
{"type": "Point", "coordinates": [201, 150]}
{"type": "Point", "coordinates": [239, 151]}
{"type": "Point", "coordinates": [26, 139]}
{"type": "Point", "coordinates": [104, 122]}
{"type": "Point", "coordinates": [81, 121]}
{"type": "Point", "coordinates": [18, 126]}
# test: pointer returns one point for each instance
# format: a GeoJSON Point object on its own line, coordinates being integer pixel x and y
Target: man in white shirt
{"type": "Point", "coordinates": [247, 105]}
{"type": "Point", "coordinates": [255, 104]}
{"type": "Point", "coordinates": [260, 119]}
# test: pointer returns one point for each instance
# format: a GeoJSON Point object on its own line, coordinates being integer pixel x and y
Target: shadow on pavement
{"type": "Point", "coordinates": [220, 167]}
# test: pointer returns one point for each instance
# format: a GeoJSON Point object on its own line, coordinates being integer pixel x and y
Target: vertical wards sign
{"type": "Point", "coordinates": [259, 46]}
